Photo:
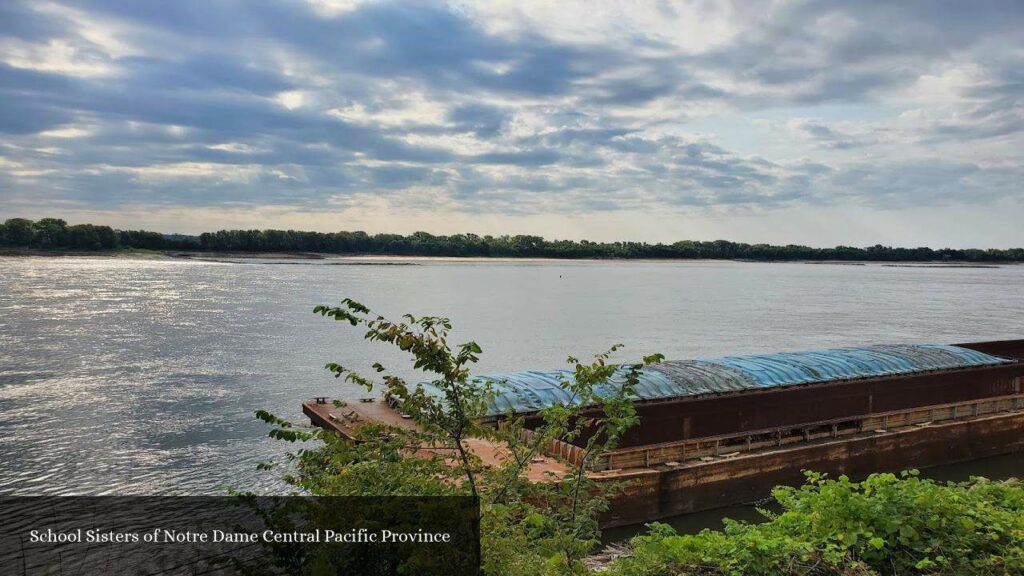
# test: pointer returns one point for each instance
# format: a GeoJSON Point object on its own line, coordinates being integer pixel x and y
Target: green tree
{"type": "Point", "coordinates": [18, 232]}
{"type": "Point", "coordinates": [91, 237]}
{"type": "Point", "coordinates": [527, 527]}
{"type": "Point", "coordinates": [49, 233]}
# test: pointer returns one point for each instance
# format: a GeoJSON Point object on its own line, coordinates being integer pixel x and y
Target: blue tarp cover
{"type": "Point", "coordinates": [522, 392]}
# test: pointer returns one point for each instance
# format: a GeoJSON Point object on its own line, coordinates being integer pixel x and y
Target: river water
{"type": "Point", "coordinates": [140, 376]}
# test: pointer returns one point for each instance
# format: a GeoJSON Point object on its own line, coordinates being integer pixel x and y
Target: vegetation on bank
{"type": "Point", "coordinates": [56, 234]}
{"type": "Point", "coordinates": [53, 233]}
{"type": "Point", "coordinates": [886, 525]}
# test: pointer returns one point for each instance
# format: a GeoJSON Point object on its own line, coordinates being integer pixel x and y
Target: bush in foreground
{"type": "Point", "coordinates": [887, 524]}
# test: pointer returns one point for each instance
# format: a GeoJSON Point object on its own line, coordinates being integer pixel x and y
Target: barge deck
{"type": "Point", "coordinates": [345, 420]}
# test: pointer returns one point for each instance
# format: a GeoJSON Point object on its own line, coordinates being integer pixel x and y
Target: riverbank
{"type": "Point", "coordinates": [231, 257]}
{"type": "Point", "coordinates": [887, 524]}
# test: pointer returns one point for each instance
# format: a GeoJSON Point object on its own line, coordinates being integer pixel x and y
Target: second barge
{"type": "Point", "coordinates": [724, 431]}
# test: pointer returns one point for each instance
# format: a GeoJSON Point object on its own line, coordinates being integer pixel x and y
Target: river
{"type": "Point", "coordinates": [140, 376]}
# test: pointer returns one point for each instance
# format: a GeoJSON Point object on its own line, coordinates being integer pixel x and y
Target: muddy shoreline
{"type": "Point", "coordinates": [379, 259]}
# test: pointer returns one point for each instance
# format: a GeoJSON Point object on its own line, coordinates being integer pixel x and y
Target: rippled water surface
{"type": "Point", "coordinates": [141, 376]}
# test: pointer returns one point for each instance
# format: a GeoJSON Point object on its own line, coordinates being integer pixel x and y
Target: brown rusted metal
{"type": "Point", "coordinates": [1004, 348]}
{"type": "Point", "coordinates": [759, 439]}
{"type": "Point", "coordinates": [682, 418]}
{"type": "Point", "coordinates": [695, 453]}
{"type": "Point", "coordinates": [661, 492]}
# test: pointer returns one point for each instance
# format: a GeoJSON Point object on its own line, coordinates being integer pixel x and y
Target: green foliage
{"type": "Point", "coordinates": [424, 244]}
{"type": "Point", "coordinates": [887, 524]}
{"type": "Point", "coordinates": [283, 429]}
{"type": "Point", "coordinates": [527, 527]}
{"type": "Point", "coordinates": [54, 233]}
{"type": "Point", "coordinates": [17, 232]}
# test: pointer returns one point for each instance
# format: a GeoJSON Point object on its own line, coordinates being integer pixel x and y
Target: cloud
{"type": "Point", "coordinates": [484, 121]}
{"type": "Point", "coordinates": [517, 108]}
{"type": "Point", "coordinates": [827, 136]}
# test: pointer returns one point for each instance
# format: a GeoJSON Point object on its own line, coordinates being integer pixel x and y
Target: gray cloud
{"type": "Point", "coordinates": [829, 137]}
{"type": "Point", "coordinates": [211, 103]}
{"type": "Point", "coordinates": [484, 121]}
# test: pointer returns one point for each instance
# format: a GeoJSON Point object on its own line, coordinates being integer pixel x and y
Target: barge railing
{"type": "Point", "coordinates": [727, 445]}
{"type": "Point", "coordinates": [565, 450]}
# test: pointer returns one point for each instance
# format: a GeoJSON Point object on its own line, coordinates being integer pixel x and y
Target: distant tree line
{"type": "Point", "coordinates": [53, 233]}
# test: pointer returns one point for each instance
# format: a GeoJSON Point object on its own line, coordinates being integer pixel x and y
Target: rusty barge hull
{"type": "Point", "coordinates": [687, 418]}
{"type": "Point", "coordinates": [675, 419]}
{"type": "Point", "coordinates": [702, 453]}
{"type": "Point", "coordinates": [695, 452]}
{"type": "Point", "coordinates": [657, 493]}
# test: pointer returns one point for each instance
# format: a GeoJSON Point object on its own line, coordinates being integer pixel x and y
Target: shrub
{"type": "Point", "coordinates": [887, 524]}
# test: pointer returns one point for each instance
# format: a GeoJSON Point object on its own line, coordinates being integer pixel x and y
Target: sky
{"type": "Point", "coordinates": [819, 123]}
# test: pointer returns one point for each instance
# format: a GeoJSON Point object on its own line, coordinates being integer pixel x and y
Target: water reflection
{"type": "Point", "coordinates": [141, 376]}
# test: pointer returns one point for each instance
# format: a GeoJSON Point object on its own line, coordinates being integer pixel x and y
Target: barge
{"type": "Point", "coordinates": [723, 431]}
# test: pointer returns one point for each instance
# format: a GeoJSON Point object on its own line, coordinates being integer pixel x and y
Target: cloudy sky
{"type": "Point", "coordinates": [812, 122]}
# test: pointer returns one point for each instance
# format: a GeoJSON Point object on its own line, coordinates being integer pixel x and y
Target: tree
{"type": "Point", "coordinates": [527, 527]}
{"type": "Point", "coordinates": [49, 232]}
{"type": "Point", "coordinates": [18, 232]}
{"type": "Point", "coordinates": [91, 237]}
